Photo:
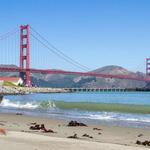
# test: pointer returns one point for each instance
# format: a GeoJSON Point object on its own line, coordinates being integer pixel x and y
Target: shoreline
{"type": "Point", "coordinates": [16, 90]}
{"type": "Point", "coordinates": [120, 136]}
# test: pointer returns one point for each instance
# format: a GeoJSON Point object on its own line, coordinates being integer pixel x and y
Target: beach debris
{"type": "Point", "coordinates": [33, 123]}
{"type": "Point", "coordinates": [75, 123]}
{"type": "Point", "coordinates": [99, 133]}
{"type": "Point", "coordinates": [98, 129]}
{"type": "Point", "coordinates": [2, 131]}
{"type": "Point", "coordinates": [46, 130]}
{"type": "Point", "coordinates": [140, 135]}
{"type": "Point", "coordinates": [138, 142]}
{"type": "Point", "coordinates": [145, 143]}
{"type": "Point", "coordinates": [19, 114]}
{"type": "Point", "coordinates": [73, 136]}
{"type": "Point", "coordinates": [86, 135]}
{"type": "Point", "coordinates": [36, 126]}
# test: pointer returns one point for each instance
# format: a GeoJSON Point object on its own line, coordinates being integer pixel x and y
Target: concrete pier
{"type": "Point", "coordinates": [96, 89]}
{"type": "Point", "coordinates": [105, 89]}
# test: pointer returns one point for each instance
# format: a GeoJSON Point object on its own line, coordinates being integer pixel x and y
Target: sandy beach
{"type": "Point", "coordinates": [20, 136]}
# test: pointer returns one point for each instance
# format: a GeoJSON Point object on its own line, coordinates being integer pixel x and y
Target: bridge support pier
{"type": "Point", "coordinates": [147, 68]}
{"type": "Point", "coordinates": [25, 54]}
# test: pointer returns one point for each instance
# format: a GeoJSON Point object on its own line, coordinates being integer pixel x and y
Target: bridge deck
{"type": "Point", "coordinates": [49, 71]}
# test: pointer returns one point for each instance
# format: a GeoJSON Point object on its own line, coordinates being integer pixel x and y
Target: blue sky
{"type": "Point", "coordinates": [94, 32]}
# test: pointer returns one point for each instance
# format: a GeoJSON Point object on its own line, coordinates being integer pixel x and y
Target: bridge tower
{"type": "Point", "coordinates": [25, 54]}
{"type": "Point", "coordinates": [147, 68]}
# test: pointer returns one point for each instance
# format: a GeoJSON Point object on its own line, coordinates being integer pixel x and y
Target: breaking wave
{"type": "Point", "coordinates": [83, 106]}
{"type": "Point", "coordinates": [106, 107]}
{"type": "Point", "coordinates": [26, 105]}
{"type": "Point", "coordinates": [83, 110]}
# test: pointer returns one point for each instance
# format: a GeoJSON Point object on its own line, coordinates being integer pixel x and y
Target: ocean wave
{"type": "Point", "coordinates": [27, 105]}
{"type": "Point", "coordinates": [83, 110]}
{"type": "Point", "coordinates": [79, 106]}
{"type": "Point", "coordinates": [104, 107]}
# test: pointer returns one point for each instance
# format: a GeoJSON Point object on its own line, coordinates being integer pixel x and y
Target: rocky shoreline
{"type": "Point", "coordinates": [6, 90]}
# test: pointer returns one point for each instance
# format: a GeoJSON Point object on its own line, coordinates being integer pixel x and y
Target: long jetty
{"type": "Point", "coordinates": [106, 89]}
{"type": "Point", "coordinates": [8, 90]}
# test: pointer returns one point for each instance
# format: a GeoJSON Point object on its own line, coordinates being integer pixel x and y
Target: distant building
{"type": "Point", "coordinates": [13, 80]}
{"type": "Point", "coordinates": [1, 83]}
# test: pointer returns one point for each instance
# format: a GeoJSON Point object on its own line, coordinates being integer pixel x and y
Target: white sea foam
{"type": "Point", "coordinates": [112, 116]}
{"type": "Point", "coordinates": [27, 105]}
{"type": "Point", "coordinates": [100, 117]}
{"type": "Point", "coordinates": [139, 119]}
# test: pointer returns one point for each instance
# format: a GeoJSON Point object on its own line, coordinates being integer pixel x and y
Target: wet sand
{"type": "Point", "coordinates": [20, 136]}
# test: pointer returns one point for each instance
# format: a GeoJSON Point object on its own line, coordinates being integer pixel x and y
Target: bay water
{"type": "Point", "coordinates": [113, 108]}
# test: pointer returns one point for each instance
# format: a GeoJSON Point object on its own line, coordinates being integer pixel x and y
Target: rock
{"type": "Point", "coordinates": [75, 123]}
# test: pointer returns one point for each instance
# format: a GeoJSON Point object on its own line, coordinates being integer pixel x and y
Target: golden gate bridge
{"type": "Point", "coordinates": [24, 69]}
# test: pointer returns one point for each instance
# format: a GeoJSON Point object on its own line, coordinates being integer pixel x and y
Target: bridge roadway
{"type": "Point", "coordinates": [49, 71]}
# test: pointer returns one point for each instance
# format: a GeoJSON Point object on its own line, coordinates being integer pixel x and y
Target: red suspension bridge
{"type": "Point", "coordinates": [24, 67]}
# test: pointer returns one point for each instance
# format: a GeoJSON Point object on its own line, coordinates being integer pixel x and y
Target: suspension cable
{"type": "Point", "coordinates": [10, 33]}
{"type": "Point", "coordinates": [56, 53]}
{"type": "Point", "coordinates": [59, 52]}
